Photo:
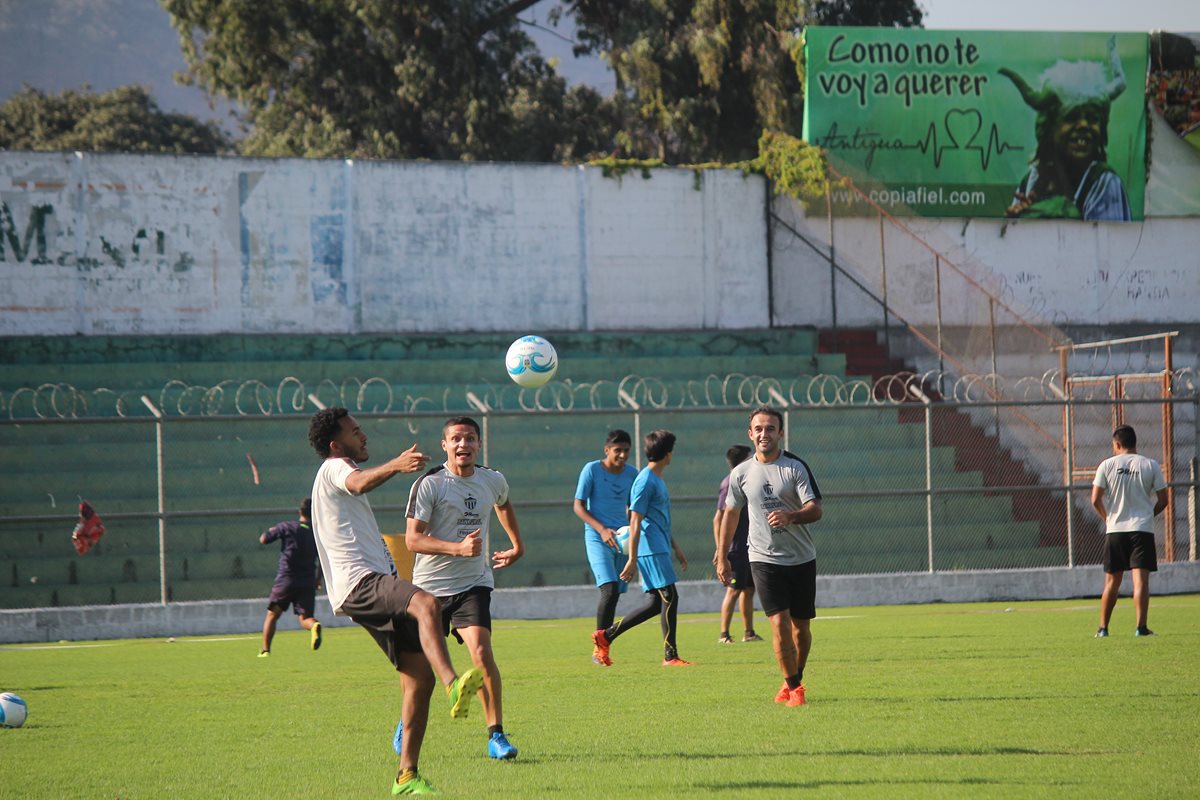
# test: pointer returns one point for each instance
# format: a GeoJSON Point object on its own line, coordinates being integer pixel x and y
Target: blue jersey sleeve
{"type": "Point", "coordinates": [641, 496]}
{"type": "Point", "coordinates": [583, 490]}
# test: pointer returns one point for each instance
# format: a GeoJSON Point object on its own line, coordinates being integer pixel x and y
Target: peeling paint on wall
{"type": "Point", "coordinates": [163, 244]}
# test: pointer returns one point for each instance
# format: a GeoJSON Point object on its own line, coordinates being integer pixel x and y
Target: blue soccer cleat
{"type": "Point", "coordinates": [500, 748]}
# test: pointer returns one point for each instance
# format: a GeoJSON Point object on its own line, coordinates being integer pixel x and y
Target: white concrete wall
{"type": "Point", "coordinates": [569, 602]}
{"type": "Point", "coordinates": [1050, 272]}
{"type": "Point", "coordinates": [115, 244]}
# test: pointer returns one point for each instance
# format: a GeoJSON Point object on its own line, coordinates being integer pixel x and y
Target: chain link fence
{"type": "Point", "coordinates": [913, 480]}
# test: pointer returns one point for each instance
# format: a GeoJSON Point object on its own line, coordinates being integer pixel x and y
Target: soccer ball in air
{"type": "Point", "coordinates": [531, 361]}
{"type": "Point", "coordinates": [12, 711]}
{"type": "Point", "coordinates": [623, 540]}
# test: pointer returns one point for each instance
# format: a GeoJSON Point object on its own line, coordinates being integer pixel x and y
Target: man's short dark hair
{"type": "Point", "coordinates": [737, 454]}
{"type": "Point", "coordinates": [306, 508]}
{"type": "Point", "coordinates": [618, 436]}
{"type": "Point", "coordinates": [658, 444]}
{"type": "Point", "coordinates": [450, 423]}
{"type": "Point", "coordinates": [765, 410]}
{"type": "Point", "coordinates": [323, 428]}
{"type": "Point", "coordinates": [1126, 437]}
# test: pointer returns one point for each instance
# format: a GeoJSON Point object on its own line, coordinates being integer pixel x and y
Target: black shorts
{"type": "Point", "coordinates": [1126, 551]}
{"type": "Point", "coordinates": [743, 578]}
{"type": "Point", "coordinates": [790, 588]}
{"type": "Point", "coordinates": [379, 603]}
{"type": "Point", "coordinates": [285, 593]}
{"type": "Point", "coordinates": [472, 608]}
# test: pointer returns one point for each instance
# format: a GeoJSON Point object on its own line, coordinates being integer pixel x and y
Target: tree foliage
{"type": "Point", "coordinates": [440, 79]}
{"type": "Point", "coordinates": [703, 78]}
{"type": "Point", "coordinates": [122, 120]}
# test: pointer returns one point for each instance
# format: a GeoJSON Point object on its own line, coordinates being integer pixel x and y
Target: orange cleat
{"type": "Point", "coordinates": [784, 694]}
{"type": "Point", "coordinates": [676, 662]}
{"type": "Point", "coordinates": [796, 698]}
{"type": "Point", "coordinates": [600, 651]}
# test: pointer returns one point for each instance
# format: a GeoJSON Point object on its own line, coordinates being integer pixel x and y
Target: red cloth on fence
{"type": "Point", "coordinates": [88, 530]}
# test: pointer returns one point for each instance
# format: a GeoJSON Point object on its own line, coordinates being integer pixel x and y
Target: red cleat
{"type": "Point", "coordinates": [796, 698]}
{"type": "Point", "coordinates": [784, 694]}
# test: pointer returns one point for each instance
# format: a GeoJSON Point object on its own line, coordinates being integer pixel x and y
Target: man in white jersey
{"type": "Point", "coordinates": [1136, 492]}
{"type": "Point", "coordinates": [782, 500]}
{"type": "Point", "coordinates": [404, 621]}
{"type": "Point", "coordinates": [449, 512]}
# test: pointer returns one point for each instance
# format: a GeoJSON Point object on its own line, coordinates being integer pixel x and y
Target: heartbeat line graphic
{"type": "Point", "coordinates": [961, 129]}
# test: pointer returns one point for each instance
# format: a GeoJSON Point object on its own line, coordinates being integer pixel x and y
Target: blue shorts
{"type": "Point", "coordinates": [606, 562]}
{"type": "Point", "coordinates": [656, 571]}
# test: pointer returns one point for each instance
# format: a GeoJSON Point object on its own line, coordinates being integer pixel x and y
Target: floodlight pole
{"type": "Point", "coordinates": [162, 506]}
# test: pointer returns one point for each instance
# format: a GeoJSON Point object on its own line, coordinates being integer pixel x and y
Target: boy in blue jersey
{"type": "Point", "coordinates": [650, 546]}
{"type": "Point", "coordinates": [602, 502]}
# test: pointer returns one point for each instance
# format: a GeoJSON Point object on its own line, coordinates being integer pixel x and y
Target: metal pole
{"type": "Point", "coordinates": [1191, 509]}
{"type": "Point", "coordinates": [995, 370]}
{"type": "Point", "coordinates": [1168, 465]}
{"type": "Point", "coordinates": [929, 478]}
{"type": "Point", "coordinates": [162, 505]}
{"type": "Point", "coordinates": [627, 398]}
{"type": "Point", "coordinates": [1069, 435]}
{"type": "Point", "coordinates": [937, 283]}
{"type": "Point", "coordinates": [887, 337]}
{"type": "Point", "coordinates": [832, 264]}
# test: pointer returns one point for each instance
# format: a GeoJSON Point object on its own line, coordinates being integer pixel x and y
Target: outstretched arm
{"type": "Point", "coordinates": [364, 480]}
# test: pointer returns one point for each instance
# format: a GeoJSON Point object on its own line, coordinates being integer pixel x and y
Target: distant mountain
{"type": "Point", "coordinates": [53, 45]}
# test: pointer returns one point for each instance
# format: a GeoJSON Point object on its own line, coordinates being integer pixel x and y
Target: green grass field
{"type": "Point", "coordinates": [979, 701]}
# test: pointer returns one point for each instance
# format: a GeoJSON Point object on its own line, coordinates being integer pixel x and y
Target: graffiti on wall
{"type": "Point", "coordinates": [37, 238]}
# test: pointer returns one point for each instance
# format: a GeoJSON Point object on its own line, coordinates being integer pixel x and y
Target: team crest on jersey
{"type": "Point", "coordinates": [470, 502]}
{"type": "Point", "coordinates": [768, 490]}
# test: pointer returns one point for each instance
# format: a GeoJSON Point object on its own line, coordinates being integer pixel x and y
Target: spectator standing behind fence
{"type": "Point", "coordinates": [782, 499]}
{"type": "Point", "coordinates": [602, 502]}
{"type": "Point", "coordinates": [740, 590]}
{"type": "Point", "coordinates": [1129, 491]}
{"type": "Point", "coordinates": [297, 579]}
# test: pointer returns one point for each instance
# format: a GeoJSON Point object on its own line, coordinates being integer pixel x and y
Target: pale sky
{"type": "Point", "coordinates": [1178, 16]}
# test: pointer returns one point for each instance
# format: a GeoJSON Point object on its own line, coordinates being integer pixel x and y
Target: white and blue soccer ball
{"type": "Point", "coordinates": [531, 361]}
{"type": "Point", "coordinates": [12, 711]}
{"type": "Point", "coordinates": [623, 540]}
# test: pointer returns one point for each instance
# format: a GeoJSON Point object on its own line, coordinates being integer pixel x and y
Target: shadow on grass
{"type": "Point", "coordinates": [818, 784]}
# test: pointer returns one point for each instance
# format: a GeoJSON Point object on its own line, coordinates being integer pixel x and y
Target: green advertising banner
{"type": "Point", "coordinates": [982, 123]}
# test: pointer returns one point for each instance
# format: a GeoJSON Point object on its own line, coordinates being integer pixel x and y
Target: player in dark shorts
{"type": "Point", "coordinates": [297, 579]}
{"type": "Point", "coordinates": [740, 591]}
{"type": "Point", "coordinates": [782, 499]}
{"type": "Point", "coordinates": [363, 584]}
{"type": "Point", "coordinates": [1128, 492]}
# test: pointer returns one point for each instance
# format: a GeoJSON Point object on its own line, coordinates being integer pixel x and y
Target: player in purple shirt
{"type": "Point", "coordinates": [296, 582]}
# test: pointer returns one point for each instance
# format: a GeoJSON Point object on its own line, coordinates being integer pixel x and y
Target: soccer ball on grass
{"type": "Point", "coordinates": [12, 711]}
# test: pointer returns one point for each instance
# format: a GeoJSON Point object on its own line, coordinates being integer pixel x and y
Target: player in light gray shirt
{"type": "Point", "coordinates": [449, 512]}
{"type": "Point", "coordinates": [782, 499]}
